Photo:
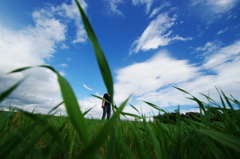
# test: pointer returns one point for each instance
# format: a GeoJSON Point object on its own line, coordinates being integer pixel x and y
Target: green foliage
{"type": "Point", "coordinates": [29, 135]}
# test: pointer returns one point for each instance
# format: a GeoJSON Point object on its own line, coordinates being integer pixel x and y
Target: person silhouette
{"type": "Point", "coordinates": [106, 105]}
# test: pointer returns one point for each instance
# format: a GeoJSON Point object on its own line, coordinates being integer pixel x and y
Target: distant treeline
{"type": "Point", "coordinates": [195, 116]}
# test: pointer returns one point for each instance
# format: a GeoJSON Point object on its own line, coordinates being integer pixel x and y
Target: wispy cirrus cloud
{"type": "Point", "coordinates": [214, 6]}
{"type": "Point", "coordinates": [64, 65]}
{"type": "Point", "coordinates": [113, 7]}
{"type": "Point", "coordinates": [222, 31]}
{"type": "Point", "coordinates": [225, 55]}
{"type": "Point", "coordinates": [85, 86]}
{"type": "Point", "coordinates": [148, 3]}
{"type": "Point", "coordinates": [158, 33]}
{"type": "Point", "coordinates": [208, 48]}
{"type": "Point", "coordinates": [158, 9]}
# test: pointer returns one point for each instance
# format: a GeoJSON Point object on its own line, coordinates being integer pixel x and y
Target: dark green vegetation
{"type": "Point", "coordinates": [29, 135]}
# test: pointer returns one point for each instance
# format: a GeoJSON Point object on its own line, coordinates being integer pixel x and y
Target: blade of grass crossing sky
{"type": "Point", "coordinates": [84, 113]}
{"type": "Point", "coordinates": [73, 108]}
{"type": "Point", "coordinates": [235, 101]}
{"type": "Point", "coordinates": [70, 102]}
{"type": "Point", "coordinates": [101, 59]}
{"type": "Point", "coordinates": [135, 109]}
{"type": "Point", "coordinates": [20, 69]}
{"type": "Point", "coordinates": [131, 115]}
{"type": "Point", "coordinates": [54, 108]}
{"type": "Point", "coordinates": [4, 94]}
{"type": "Point", "coordinates": [99, 97]}
{"type": "Point", "coordinates": [155, 106]}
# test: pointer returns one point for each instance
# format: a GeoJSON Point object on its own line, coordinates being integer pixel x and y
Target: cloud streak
{"type": "Point", "coordinates": [157, 34]}
{"type": "Point", "coordinates": [85, 86]}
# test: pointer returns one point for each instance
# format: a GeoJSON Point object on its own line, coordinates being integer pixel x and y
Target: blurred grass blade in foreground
{"type": "Point", "coordinates": [70, 102]}
{"type": "Point", "coordinates": [101, 59]}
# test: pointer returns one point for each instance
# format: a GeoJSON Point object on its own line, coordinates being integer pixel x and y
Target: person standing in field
{"type": "Point", "coordinates": [106, 105]}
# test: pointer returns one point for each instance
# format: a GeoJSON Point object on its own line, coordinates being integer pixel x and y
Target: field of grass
{"type": "Point", "coordinates": [29, 135]}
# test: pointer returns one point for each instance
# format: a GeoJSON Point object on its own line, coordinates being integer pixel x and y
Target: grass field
{"type": "Point", "coordinates": [29, 135]}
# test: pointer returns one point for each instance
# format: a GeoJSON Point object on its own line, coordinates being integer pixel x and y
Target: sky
{"type": "Point", "coordinates": [151, 46]}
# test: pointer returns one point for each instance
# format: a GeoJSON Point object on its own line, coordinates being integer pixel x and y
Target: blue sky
{"type": "Point", "coordinates": [150, 45]}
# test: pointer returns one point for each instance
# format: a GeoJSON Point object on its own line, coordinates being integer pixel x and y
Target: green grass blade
{"type": "Point", "coordinates": [226, 139]}
{"type": "Point", "coordinates": [155, 142]}
{"type": "Point", "coordinates": [131, 115]}
{"type": "Point", "coordinates": [235, 101]}
{"type": "Point", "coordinates": [182, 90]}
{"type": "Point", "coordinates": [101, 59]}
{"type": "Point", "coordinates": [90, 151]}
{"type": "Point", "coordinates": [70, 102]}
{"type": "Point", "coordinates": [54, 108]}
{"type": "Point", "coordinates": [14, 140]}
{"type": "Point", "coordinates": [137, 142]}
{"type": "Point", "coordinates": [20, 69]}
{"type": "Point", "coordinates": [73, 109]}
{"type": "Point", "coordinates": [155, 106]}
{"type": "Point", "coordinates": [84, 113]}
{"type": "Point", "coordinates": [99, 97]}
{"type": "Point", "coordinates": [4, 94]}
{"type": "Point", "coordinates": [135, 108]}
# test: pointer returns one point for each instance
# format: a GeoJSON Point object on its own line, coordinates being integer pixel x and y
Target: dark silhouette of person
{"type": "Point", "coordinates": [106, 105]}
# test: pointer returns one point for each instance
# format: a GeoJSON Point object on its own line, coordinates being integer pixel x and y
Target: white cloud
{"type": "Point", "coordinates": [221, 6]}
{"type": "Point", "coordinates": [69, 59]}
{"type": "Point", "coordinates": [153, 79]}
{"type": "Point", "coordinates": [147, 2]}
{"type": "Point", "coordinates": [222, 31]}
{"type": "Point", "coordinates": [71, 12]}
{"type": "Point", "coordinates": [209, 48]}
{"type": "Point", "coordinates": [159, 71]}
{"type": "Point", "coordinates": [226, 54]}
{"type": "Point", "coordinates": [64, 65]}
{"type": "Point", "coordinates": [215, 6]}
{"type": "Point", "coordinates": [158, 9]}
{"type": "Point", "coordinates": [85, 86]}
{"type": "Point", "coordinates": [62, 73]}
{"type": "Point", "coordinates": [40, 90]}
{"type": "Point", "coordinates": [31, 46]}
{"type": "Point", "coordinates": [113, 7]}
{"type": "Point", "coordinates": [157, 34]}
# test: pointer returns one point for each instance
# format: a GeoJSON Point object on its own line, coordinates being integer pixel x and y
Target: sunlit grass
{"type": "Point", "coordinates": [29, 135]}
